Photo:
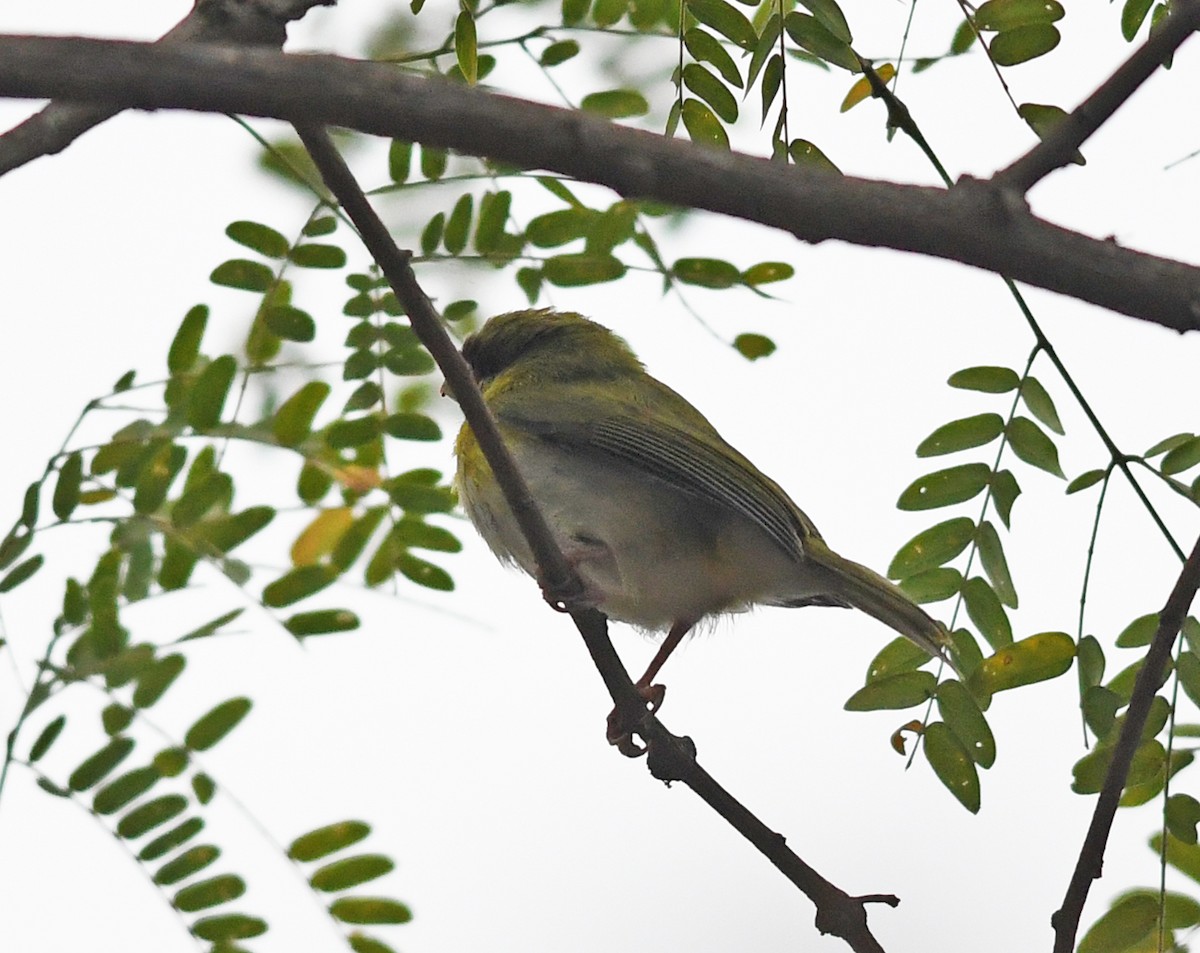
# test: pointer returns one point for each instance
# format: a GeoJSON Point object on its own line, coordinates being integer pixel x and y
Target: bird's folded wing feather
{"type": "Point", "coordinates": [691, 457]}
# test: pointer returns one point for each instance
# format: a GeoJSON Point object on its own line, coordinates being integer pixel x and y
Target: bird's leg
{"type": "Point", "coordinates": [619, 732]}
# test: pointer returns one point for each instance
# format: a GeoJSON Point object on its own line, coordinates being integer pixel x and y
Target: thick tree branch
{"type": "Point", "coordinates": [1149, 680]}
{"type": "Point", "coordinates": [973, 223]}
{"type": "Point", "coordinates": [1060, 145]}
{"type": "Point", "coordinates": [246, 22]}
{"type": "Point", "coordinates": [670, 758]}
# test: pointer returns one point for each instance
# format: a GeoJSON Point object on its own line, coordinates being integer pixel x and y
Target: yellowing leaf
{"type": "Point", "coordinates": [1033, 659]}
{"type": "Point", "coordinates": [861, 89]}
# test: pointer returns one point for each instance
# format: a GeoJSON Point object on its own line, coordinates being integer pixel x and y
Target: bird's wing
{"type": "Point", "coordinates": [688, 455]}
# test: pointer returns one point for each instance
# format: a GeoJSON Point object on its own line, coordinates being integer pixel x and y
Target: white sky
{"type": "Point", "coordinates": [469, 730]}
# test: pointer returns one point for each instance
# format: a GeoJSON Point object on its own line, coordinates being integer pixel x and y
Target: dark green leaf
{"type": "Point", "coordinates": [465, 51]}
{"type": "Point", "coordinates": [805, 154]}
{"type": "Point", "coordinates": [361, 943]}
{"type": "Point", "coordinates": [185, 347]}
{"type": "Point", "coordinates": [433, 163]}
{"type": "Point", "coordinates": [157, 476]}
{"type": "Point", "coordinates": [1030, 443]}
{"type": "Point", "coordinates": [489, 231]}
{"type": "Point", "coordinates": [172, 762]}
{"type": "Point", "coordinates": [753, 346]}
{"type": "Point", "coordinates": [616, 103]}
{"type": "Point", "coordinates": [315, 255]}
{"type": "Point", "coordinates": [962, 716]}
{"type": "Point", "coordinates": [458, 225]}
{"type": "Point", "coordinates": [1100, 707]}
{"type": "Point", "coordinates": [764, 46]}
{"type": "Point", "coordinates": [243, 274]}
{"type": "Point", "coordinates": [726, 20]}
{"type": "Point", "coordinates": [962, 434]}
{"type": "Point", "coordinates": [706, 272]}
{"type": "Point", "coordinates": [1189, 675]}
{"type": "Point", "coordinates": [411, 360]}
{"type": "Point", "coordinates": [991, 554]}
{"type": "Point", "coordinates": [207, 396]}
{"type": "Point", "coordinates": [1123, 927]}
{"type": "Point", "coordinates": [209, 893]}
{"type": "Point", "coordinates": [18, 574]}
{"type": "Point", "coordinates": [191, 861]}
{"type": "Point", "coordinates": [421, 535]}
{"type": "Point", "coordinates": [567, 271]}
{"type": "Point", "coordinates": [321, 622]}
{"type": "Point", "coordinates": [260, 238]}
{"type": "Point", "coordinates": [195, 503]}
{"type": "Point", "coordinates": [290, 323]}
{"type": "Point", "coordinates": [167, 842]}
{"type": "Point", "coordinates": [933, 585]}
{"type": "Point", "coordinates": [1183, 457]}
{"type": "Point", "coordinates": [116, 794]}
{"type": "Point", "coordinates": [809, 34]}
{"type": "Point", "coordinates": [66, 489]}
{"type": "Point", "coordinates": [945, 487]}
{"type": "Point", "coordinates": [327, 840]}
{"type": "Point", "coordinates": [1040, 404]}
{"type": "Point", "coordinates": [1085, 480]}
{"type": "Point", "coordinates": [898, 656]}
{"type": "Point", "coordinates": [229, 926]}
{"type": "Point", "coordinates": [1169, 443]}
{"type": "Point", "coordinates": [1133, 14]}
{"type": "Point", "coordinates": [154, 681]}
{"type": "Point", "coordinates": [46, 738]}
{"type": "Point", "coordinates": [352, 542]}
{"type": "Point", "coordinates": [204, 787]}
{"type": "Point", "coordinates": [424, 573]}
{"type": "Point", "coordinates": [150, 815]}
{"type": "Point", "coordinates": [1005, 491]}
{"type": "Point", "coordinates": [952, 764]}
{"type": "Point", "coordinates": [831, 18]}
{"type": "Point", "coordinates": [228, 532]}
{"type": "Point", "coordinates": [299, 583]}
{"type": "Point", "coordinates": [987, 613]}
{"type": "Point", "coordinates": [932, 548]}
{"type": "Point", "coordinates": [352, 432]}
{"type": "Point", "coordinates": [1024, 43]}
{"type": "Point", "coordinates": [995, 16]}
{"type": "Point", "coordinates": [1182, 814]}
{"type": "Point", "coordinates": [559, 52]}
{"type": "Point", "coordinates": [703, 126]}
{"type": "Point", "coordinates": [990, 380]}
{"type": "Point", "coordinates": [902, 690]}
{"type": "Point", "coordinates": [369, 910]}
{"type": "Point", "coordinates": [96, 766]}
{"type": "Point", "coordinates": [704, 47]}
{"type": "Point", "coordinates": [13, 547]}
{"type": "Point", "coordinates": [399, 160]}
{"type": "Point", "coordinates": [559, 227]}
{"type": "Point", "coordinates": [216, 723]}
{"type": "Point", "coordinates": [772, 80]}
{"type": "Point", "coordinates": [705, 85]}
{"type": "Point", "coordinates": [350, 872]}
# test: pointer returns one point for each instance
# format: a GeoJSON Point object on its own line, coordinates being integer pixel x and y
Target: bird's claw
{"type": "Point", "coordinates": [620, 733]}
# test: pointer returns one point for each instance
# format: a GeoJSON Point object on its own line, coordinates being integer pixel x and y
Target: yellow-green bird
{"type": "Point", "coordinates": [664, 522]}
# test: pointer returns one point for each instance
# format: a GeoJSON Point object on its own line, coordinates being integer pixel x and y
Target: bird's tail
{"type": "Point", "coordinates": [869, 592]}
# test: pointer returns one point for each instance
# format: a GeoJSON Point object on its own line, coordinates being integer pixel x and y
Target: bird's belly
{"type": "Point", "coordinates": [647, 554]}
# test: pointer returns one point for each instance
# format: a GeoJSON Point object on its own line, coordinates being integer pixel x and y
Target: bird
{"type": "Point", "coordinates": [665, 524]}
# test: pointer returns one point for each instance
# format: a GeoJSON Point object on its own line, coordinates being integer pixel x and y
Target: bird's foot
{"type": "Point", "coordinates": [620, 731]}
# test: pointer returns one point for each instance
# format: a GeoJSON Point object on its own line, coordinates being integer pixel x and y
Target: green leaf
{"type": "Point", "coordinates": [902, 690]}
{"type": "Point", "coordinates": [990, 380]}
{"type": "Point", "coordinates": [167, 842]}
{"type": "Point", "coordinates": [987, 613]}
{"type": "Point", "coordinates": [257, 237]}
{"type": "Point", "coordinates": [772, 80]}
{"type": "Point", "coordinates": [1182, 815]}
{"type": "Point", "coordinates": [1139, 632]}
{"type": "Point", "coordinates": [933, 547]}
{"type": "Point", "coordinates": [171, 762]}
{"type": "Point", "coordinates": [991, 554]}
{"type": "Point", "coordinates": [354, 540]}
{"type": "Point", "coordinates": [702, 125]}
{"type": "Point", "coordinates": [207, 396]}
{"type": "Point", "coordinates": [46, 738]}
{"type": "Point", "coordinates": [150, 815]}
{"type": "Point", "coordinates": [704, 47]}
{"type": "Point", "coordinates": [299, 583]}
{"type": "Point", "coordinates": [705, 85]}
{"type": "Point", "coordinates": [962, 716]}
{"type": "Point", "coordinates": [995, 16]}
{"type": "Point", "coordinates": [766, 272]}
{"type": "Point", "coordinates": [1085, 480]}
{"type": "Point", "coordinates": [458, 225]}
{"type": "Point", "coordinates": [1189, 675]}
{"type": "Point", "coordinates": [753, 346]}
{"type": "Point", "coordinates": [1005, 491]}
{"type": "Point", "coordinates": [190, 862]}
{"type": "Point", "coordinates": [185, 347]}
{"type": "Point", "coordinates": [1183, 457]}
{"type": "Point", "coordinates": [1133, 14]}
{"type": "Point", "coordinates": [433, 163]}
{"type": "Point", "coordinates": [764, 46]}
{"type": "Point", "coordinates": [706, 272]}
{"type": "Point", "coordinates": [962, 434]}
{"type": "Point", "coordinates": [933, 585]}
{"type": "Point", "coordinates": [616, 103]}
{"type": "Point", "coordinates": [1033, 659]}
{"type": "Point", "coordinates": [352, 432]}
{"type": "Point", "coordinates": [399, 160]}
{"type": "Point", "coordinates": [195, 503]}
{"type": "Point", "coordinates": [327, 840]}
{"type": "Point", "coordinates": [560, 227]}
{"type": "Point", "coordinates": [1030, 443]}
{"type": "Point", "coordinates": [350, 872]}
{"type": "Point", "coordinates": [93, 768]}
{"type": "Point", "coordinates": [830, 16]}
{"type": "Point", "coordinates": [154, 680]}
{"type": "Point", "coordinates": [899, 655]}
{"type": "Point", "coordinates": [209, 893]}
{"type": "Point", "coordinates": [1169, 443]}
{"type": "Point", "coordinates": [1023, 43]}
{"type": "Point", "coordinates": [494, 209]}
{"type": "Point", "coordinates": [465, 50]}
{"type": "Point", "coordinates": [411, 427]}
{"type": "Point", "coordinates": [365, 910]}
{"type": "Point", "coordinates": [569, 271]}
{"type": "Point", "coordinates": [1090, 661]}
{"type": "Point", "coordinates": [726, 20]}
{"type": "Point", "coordinates": [216, 723]}
{"type": "Point", "coordinates": [945, 487]}
{"type": "Point", "coordinates": [1040, 404]}
{"type": "Point", "coordinates": [66, 489]}
{"type": "Point", "coordinates": [1123, 927]}
{"type": "Point", "coordinates": [809, 34]}
{"type": "Point", "coordinates": [293, 421]}
{"type": "Point", "coordinates": [228, 926]}
{"type": "Point", "coordinates": [321, 622]}
{"type": "Point", "coordinates": [226, 533]}
{"type": "Point", "coordinates": [290, 323]}
{"type": "Point", "coordinates": [952, 764]}
{"type": "Point", "coordinates": [129, 786]}
{"type": "Point", "coordinates": [244, 275]}
{"type": "Point", "coordinates": [805, 154]}
{"type": "Point", "coordinates": [606, 13]}
{"type": "Point", "coordinates": [361, 943]}
{"type": "Point", "coordinates": [424, 573]}
{"type": "Point", "coordinates": [409, 532]}
{"type": "Point", "coordinates": [1100, 706]}
{"type": "Point", "coordinates": [558, 52]}
{"type": "Point", "coordinates": [157, 476]}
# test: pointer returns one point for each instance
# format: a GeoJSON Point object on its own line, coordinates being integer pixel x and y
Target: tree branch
{"type": "Point", "coordinates": [1061, 144]}
{"type": "Point", "coordinates": [1149, 680]}
{"type": "Point", "coordinates": [247, 22]}
{"type": "Point", "coordinates": [973, 223]}
{"type": "Point", "coordinates": [670, 758]}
